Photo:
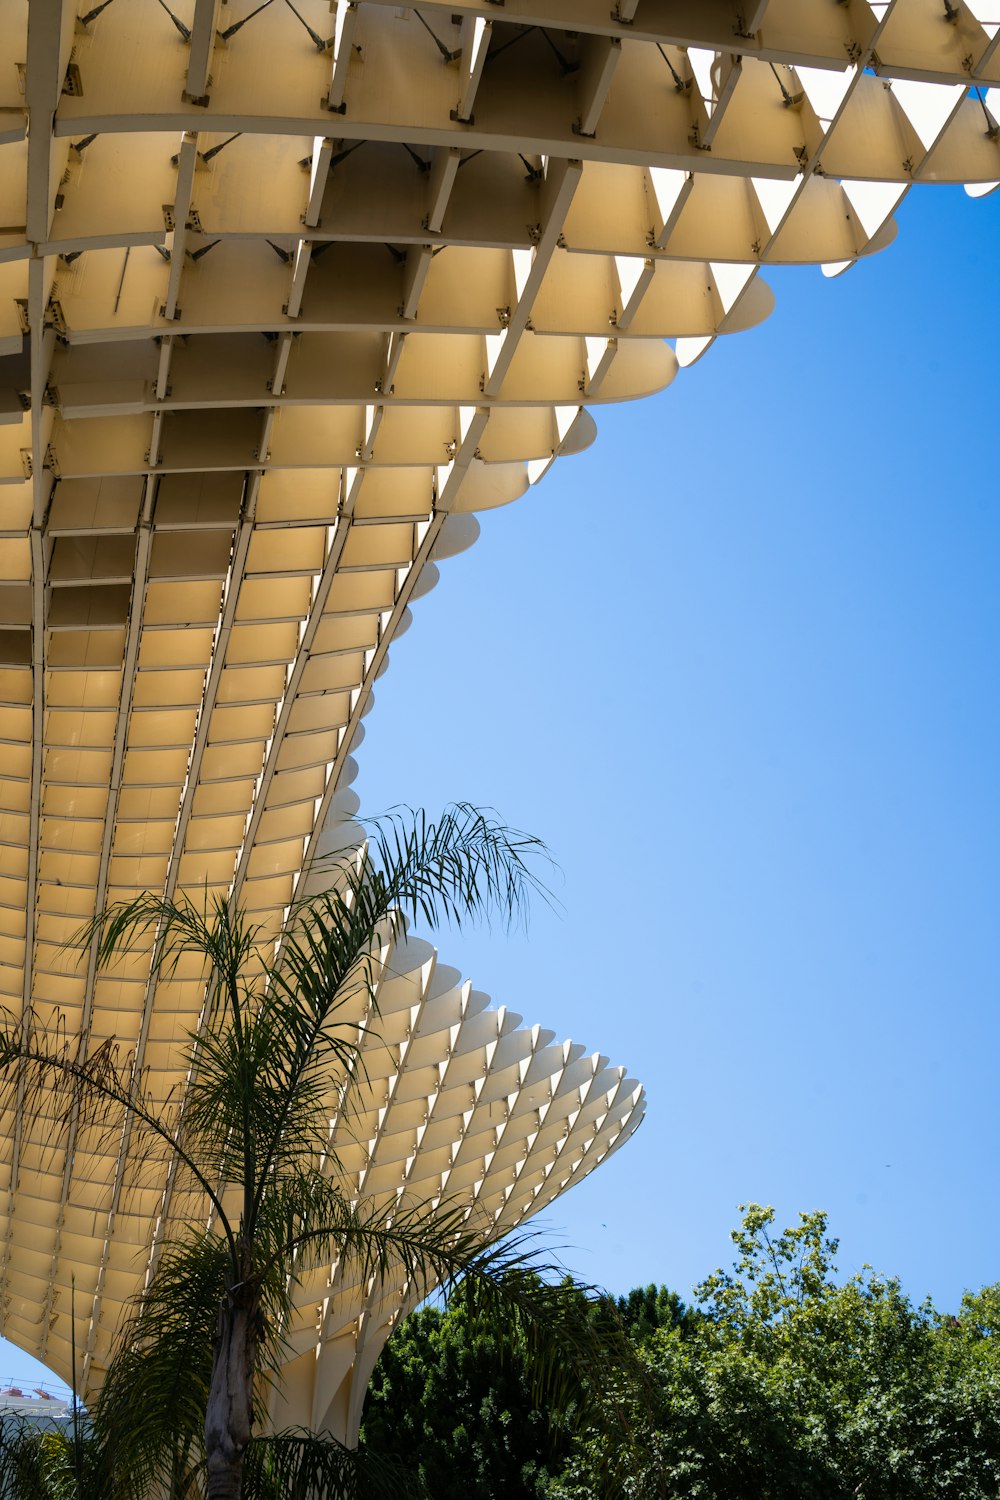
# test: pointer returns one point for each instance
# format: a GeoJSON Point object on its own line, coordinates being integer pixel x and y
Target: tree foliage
{"type": "Point", "coordinates": [454, 1397]}
{"type": "Point", "coordinates": [783, 1380]}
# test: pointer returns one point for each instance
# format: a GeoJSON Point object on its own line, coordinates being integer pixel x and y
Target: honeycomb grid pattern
{"type": "Point", "coordinates": [287, 293]}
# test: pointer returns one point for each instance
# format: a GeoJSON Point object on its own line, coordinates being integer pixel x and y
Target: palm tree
{"type": "Point", "coordinates": [23, 1467]}
{"type": "Point", "coordinates": [249, 1139]}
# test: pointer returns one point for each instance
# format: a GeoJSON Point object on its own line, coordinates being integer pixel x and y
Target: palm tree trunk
{"type": "Point", "coordinates": [229, 1415]}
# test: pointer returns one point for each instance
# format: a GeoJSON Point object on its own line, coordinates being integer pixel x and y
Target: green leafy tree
{"type": "Point", "coordinates": [784, 1380]}
{"type": "Point", "coordinates": [458, 1397]}
{"type": "Point", "coordinates": [248, 1147]}
{"type": "Point", "coordinates": [794, 1383]}
{"type": "Point", "coordinates": [455, 1397]}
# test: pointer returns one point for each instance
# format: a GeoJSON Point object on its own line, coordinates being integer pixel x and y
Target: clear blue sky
{"type": "Point", "coordinates": [737, 664]}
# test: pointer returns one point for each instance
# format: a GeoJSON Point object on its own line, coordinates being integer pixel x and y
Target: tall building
{"type": "Point", "coordinates": [288, 293]}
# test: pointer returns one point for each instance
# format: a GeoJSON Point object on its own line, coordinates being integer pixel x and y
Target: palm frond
{"type": "Point", "coordinates": [150, 1410]}
{"type": "Point", "coordinates": [302, 1465]}
{"type": "Point", "coordinates": [507, 1283]}
{"type": "Point", "coordinates": [178, 927]}
{"type": "Point", "coordinates": [52, 1080]}
{"type": "Point", "coordinates": [24, 1466]}
{"type": "Point", "coordinates": [466, 864]}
